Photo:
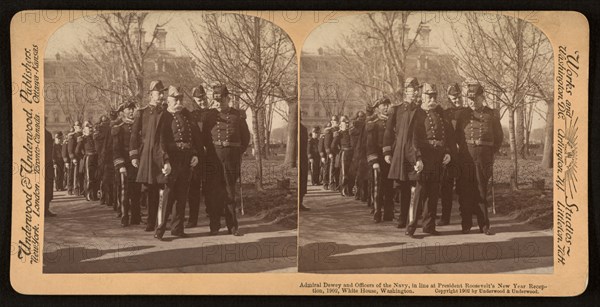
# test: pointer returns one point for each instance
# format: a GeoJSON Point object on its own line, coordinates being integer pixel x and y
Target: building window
{"type": "Point", "coordinates": [56, 117]}
{"type": "Point", "coordinates": [317, 112]}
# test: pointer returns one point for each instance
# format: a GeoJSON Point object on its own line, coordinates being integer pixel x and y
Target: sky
{"type": "Point", "coordinates": [67, 39]}
{"type": "Point", "coordinates": [328, 35]}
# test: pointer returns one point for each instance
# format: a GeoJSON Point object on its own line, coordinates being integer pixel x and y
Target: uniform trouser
{"type": "Point", "coordinates": [446, 193]}
{"type": "Point", "coordinates": [66, 175]}
{"type": "Point", "coordinates": [334, 172]}
{"type": "Point", "coordinates": [450, 180]}
{"type": "Point", "coordinates": [109, 187]}
{"type": "Point", "coordinates": [72, 177]}
{"type": "Point", "coordinates": [59, 176]}
{"type": "Point", "coordinates": [346, 181]}
{"type": "Point", "coordinates": [229, 159]}
{"type": "Point", "coordinates": [194, 197]}
{"type": "Point", "coordinates": [405, 189]}
{"type": "Point", "coordinates": [383, 193]}
{"type": "Point", "coordinates": [476, 169]}
{"type": "Point", "coordinates": [325, 172]}
{"type": "Point", "coordinates": [315, 171]}
{"type": "Point", "coordinates": [128, 196]}
{"type": "Point", "coordinates": [212, 189]}
{"type": "Point", "coordinates": [175, 194]}
{"type": "Point", "coordinates": [79, 177]}
{"type": "Point", "coordinates": [362, 189]}
{"type": "Point", "coordinates": [153, 196]}
{"type": "Point", "coordinates": [424, 204]}
{"type": "Point", "coordinates": [90, 168]}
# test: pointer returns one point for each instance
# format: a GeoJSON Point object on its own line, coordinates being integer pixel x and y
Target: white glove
{"type": "Point", "coordinates": [67, 165]}
{"type": "Point", "coordinates": [388, 159]}
{"type": "Point", "coordinates": [330, 156]}
{"type": "Point", "coordinates": [123, 170]}
{"type": "Point", "coordinates": [134, 162]}
{"type": "Point", "coordinates": [419, 166]}
{"type": "Point", "coordinates": [166, 169]}
{"type": "Point", "coordinates": [311, 160]}
{"type": "Point", "coordinates": [446, 159]}
{"type": "Point", "coordinates": [55, 165]}
{"type": "Point", "coordinates": [74, 161]}
{"type": "Point", "coordinates": [194, 161]}
{"type": "Point", "coordinates": [376, 166]}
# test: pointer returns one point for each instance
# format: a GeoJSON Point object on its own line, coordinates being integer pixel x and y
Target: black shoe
{"type": "Point", "coordinates": [235, 231]}
{"type": "Point", "coordinates": [466, 230]}
{"type": "Point", "coordinates": [401, 225]}
{"type": "Point", "coordinates": [159, 234]}
{"type": "Point", "coordinates": [191, 225]}
{"type": "Point", "coordinates": [376, 221]}
{"type": "Point", "coordinates": [125, 221]}
{"type": "Point", "coordinates": [180, 235]}
{"type": "Point", "coordinates": [485, 230]}
{"type": "Point", "coordinates": [134, 222]}
{"type": "Point", "coordinates": [432, 232]}
{"type": "Point", "coordinates": [303, 208]}
{"type": "Point", "coordinates": [443, 223]}
{"type": "Point", "coordinates": [213, 233]}
{"type": "Point", "coordinates": [410, 232]}
{"type": "Point", "coordinates": [149, 228]}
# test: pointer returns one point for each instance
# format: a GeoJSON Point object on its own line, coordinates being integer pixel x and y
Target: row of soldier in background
{"type": "Point", "coordinates": [161, 155]}
{"type": "Point", "coordinates": [414, 152]}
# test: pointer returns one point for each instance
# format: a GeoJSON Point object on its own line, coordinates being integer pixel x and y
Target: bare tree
{"type": "Point", "coordinates": [248, 54]}
{"type": "Point", "coordinates": [112, 60]}
{"type": "Point", "coordinates": [375, 57]}
{"type": "Point", "coordinates": [504, 54]}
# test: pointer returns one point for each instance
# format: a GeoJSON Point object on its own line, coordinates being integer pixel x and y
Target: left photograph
{"type": "Point", "coordinates": [172, 143]}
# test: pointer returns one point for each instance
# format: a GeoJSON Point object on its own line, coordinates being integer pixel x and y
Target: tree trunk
{"type": "Point", "coordinates": [256, 140]}
{"type": "Point", "coordinates": [520, 131]}
{"type": "Point", "coordinates": [514, 185]}
{"type": "Point", "coordinates": [292, 138]}
{"type": "Point", "coordinates": [547, 157]}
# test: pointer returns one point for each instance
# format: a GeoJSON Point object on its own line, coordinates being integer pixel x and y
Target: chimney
{"type": "Point", "coordinates": [161, 38]}
{"type": "Point", "coordinates": [424, 35]}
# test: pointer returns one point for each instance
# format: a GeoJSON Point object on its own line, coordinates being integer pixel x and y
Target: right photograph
{"type": "Point", "coordinates": [426, 145]}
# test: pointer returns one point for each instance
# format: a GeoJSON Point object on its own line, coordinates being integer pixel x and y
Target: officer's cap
{"type": "Point", "coordinates": [411, 82]}
{"type": "Point", "coordinates": [453, 90]}
{"type": "Point", "coordinates": [156, 85]}
{"type": "Point", "coordinates": [220, 91]}
{"type": "Point", "coordinates": [58, 135]}
{"type": "Point", "coordinates": [175, 92]}
{"type": "Point", "coordinates": [473, 88]}
{"type": "Point", "coordinates": [127, 104]}
{"type": "Point", "coordinates": [198, 92]}
{"type": "Point", "coordinates": [429, 88]}
{"type": "Point", "coordinates": [316, 129]}
{"type": "Point", "coordinates": [382, 100]}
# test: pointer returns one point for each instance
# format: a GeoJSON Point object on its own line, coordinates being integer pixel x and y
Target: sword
{"type": "Point", "coordinates": [493, 191]}
{"type": "Point", "coordinates": [413, 210]}
{"type": "Point", "coordinates": [87, 178]}
{"type": "Point", "coordinates": [56, 177]}
{"type": "Point", "coordinates": [376, 204]}
{"type": "Point", "coordinates": [123, 197]}
{"type": "Point", "coordinates": [159, 216]}
{"type": "Point", "coordinates": [241, 191]}
{"type": "Point", "coordinates": [75, 179]}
